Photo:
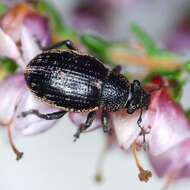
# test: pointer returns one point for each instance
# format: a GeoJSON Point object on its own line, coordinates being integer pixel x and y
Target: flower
{"type": "Point", "coordinates": [167, 135]}
{"type": "Point", "coordinates": [24, 15]}
{"type": "Point", "coordinates": [170, 157]}
{"type": "Point", "coordinates": [13, 91]}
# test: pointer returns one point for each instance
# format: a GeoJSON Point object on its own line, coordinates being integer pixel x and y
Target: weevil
{"type": "Point", "coordinates": [77, 82]}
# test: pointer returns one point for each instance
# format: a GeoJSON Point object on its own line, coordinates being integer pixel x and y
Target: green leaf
{"type": "Point", "coordinates": [186, 66]}
{"type": "Point", "coordinates": [7, 67]}
{"type": "Point", "coordinates": [3, 8]}
{"type": "Point", "coordinates": [148, 43]}
{"type": "Point", "coordinates": [177, 91]}
{"type": "Point", "coordinates": [144, 38]}
{"type": "Point", "coordinates": [56, 19]}
{"type": "Point", "coordinates": [97, 46]}
{"type": "Point", "coordinates": [188, 113]}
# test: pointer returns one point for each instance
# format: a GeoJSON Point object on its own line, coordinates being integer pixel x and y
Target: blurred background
{"type": "Point", "coordinates": [51, 160]}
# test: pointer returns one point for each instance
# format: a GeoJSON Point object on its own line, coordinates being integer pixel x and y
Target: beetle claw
{"type": "Point", "coordinates": [76, 135]}
{"type": "Point", "coordinates": [22, 114]}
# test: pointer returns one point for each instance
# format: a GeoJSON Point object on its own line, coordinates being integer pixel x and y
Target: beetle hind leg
{"type": "Point", "coordinates": [91, 116]}
{"type": "Point", "coordinates": [48, 116]}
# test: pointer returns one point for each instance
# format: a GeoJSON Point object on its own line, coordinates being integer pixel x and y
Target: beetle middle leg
{"type": "Point", "coordinates": [68, 43]}
{"type": "Point", "coordinates": [48, 116]}
{"type": "Point", "coordinates": [91, 116]}
{"type": "Point", "coordinates": [105, 121]}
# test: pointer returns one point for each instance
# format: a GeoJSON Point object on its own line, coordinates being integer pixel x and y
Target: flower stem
{"type": "Point", "coordinates": [100, 162]}
{"type": "Point", "coordinates": [143, 175]}
{"type": "Point", "coordinates": [125, 58]}
{"type": "Point", "coordinates": [170, 179]}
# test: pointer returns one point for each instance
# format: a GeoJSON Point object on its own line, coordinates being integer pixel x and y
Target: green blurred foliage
{"type": "Point", "coordinates": [149, 44]}
{"type": "Point", "coordinates": [97, 46]}
{"type": "Point", "coordinates": [7, 67]}
{"type": "Point", "coordinates": [188, 113]}
{"type": "Point", "coordinates": [3, 8]}
{"type": "Point", "coordinates": [59, 27]}
{"type": "Point", "coordinates": [144, 39]}
{"type": "Point", "coordinates": [186, 66]}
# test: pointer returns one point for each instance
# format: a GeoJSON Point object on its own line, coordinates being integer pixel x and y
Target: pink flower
{"type": "Point", "coordinates": [23, 15]}
{"type": "Point", "coordinates": [169, 144]}
{"type": "Point", "coordinates": [168, 135]}
{"type": "Point", "coordinates": [13, 91]}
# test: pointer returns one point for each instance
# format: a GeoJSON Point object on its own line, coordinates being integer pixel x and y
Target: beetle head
{"type": "Point", "coordinates": [139, 99]}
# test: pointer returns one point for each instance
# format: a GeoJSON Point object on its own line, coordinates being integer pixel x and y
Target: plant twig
{"type": "Point", "coordinates": [125, 58]}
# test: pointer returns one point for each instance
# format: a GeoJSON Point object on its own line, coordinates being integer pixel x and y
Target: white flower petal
{"type": "Point", "coordinates": [11, 90]}
{"type": "Point", "coordinates": [8, 48]}
{"type": "Point", "coordinates": [126, 128]}
{"type": "Point", "coordinates": [32, 124]}
{"type": "Point", "coordinates": [29, 46]}
{"type": "Point", "coordinates": [170, 125]}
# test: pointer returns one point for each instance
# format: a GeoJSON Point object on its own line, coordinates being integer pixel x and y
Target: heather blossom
{"type": "Point", "coordinates": [13, 89]}
{"type": "Point", "coordinates": [23, 32]}
{"type": "Point", "coordinates": [166, 143]}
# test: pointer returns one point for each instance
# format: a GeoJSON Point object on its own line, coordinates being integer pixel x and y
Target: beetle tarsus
{"type": "Point", "coordinates": [91, 116]}
{"type": "Point", "coordinates": [77, 134]}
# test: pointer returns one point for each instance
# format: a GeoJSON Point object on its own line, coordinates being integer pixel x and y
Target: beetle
{"type": "Point", "coordinates": [77, 82]}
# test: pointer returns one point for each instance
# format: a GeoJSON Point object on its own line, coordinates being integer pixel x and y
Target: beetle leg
{"type": "Point", "coordinates": [68, 43]}
{"type": "Point", "coordinates": [91, 116]}
{"type": "Point", "coordinates": [105, 121]}
{"type": "Point", "coordinates": [49, 116]}
{"type": "Point", "coordinates": [117, 69]}
{"type": "Point", "coordinates": [143, 132]}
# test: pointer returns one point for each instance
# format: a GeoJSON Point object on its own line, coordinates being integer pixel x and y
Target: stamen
{"type": "Point", "coordinates": [7, 124]}
{"type": "Point", "coordinates": [144, 175]}
{"type": "Point", "coordinates": [15, 150]}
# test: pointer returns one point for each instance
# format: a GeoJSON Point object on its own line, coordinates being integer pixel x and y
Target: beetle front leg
{"type": "Point", "coordinates": [143, 132]}
{"type": "Point", "coordinates": [48, 116]}
{"type": "Point", "coordinates": [91, 116]}
{"type": "Point", "coordinates": [117, 69]}
{"type": "Point", "coordinates": [68, 43]}
{"type": "Point", "coordinates": [105, 121]}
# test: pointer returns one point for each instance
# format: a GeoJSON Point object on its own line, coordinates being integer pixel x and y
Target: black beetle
{"type": "Point", "coordinates": [76, 82]}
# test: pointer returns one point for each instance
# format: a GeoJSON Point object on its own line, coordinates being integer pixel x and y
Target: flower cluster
{"type": "Point", "coordinates": [165, 133]}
